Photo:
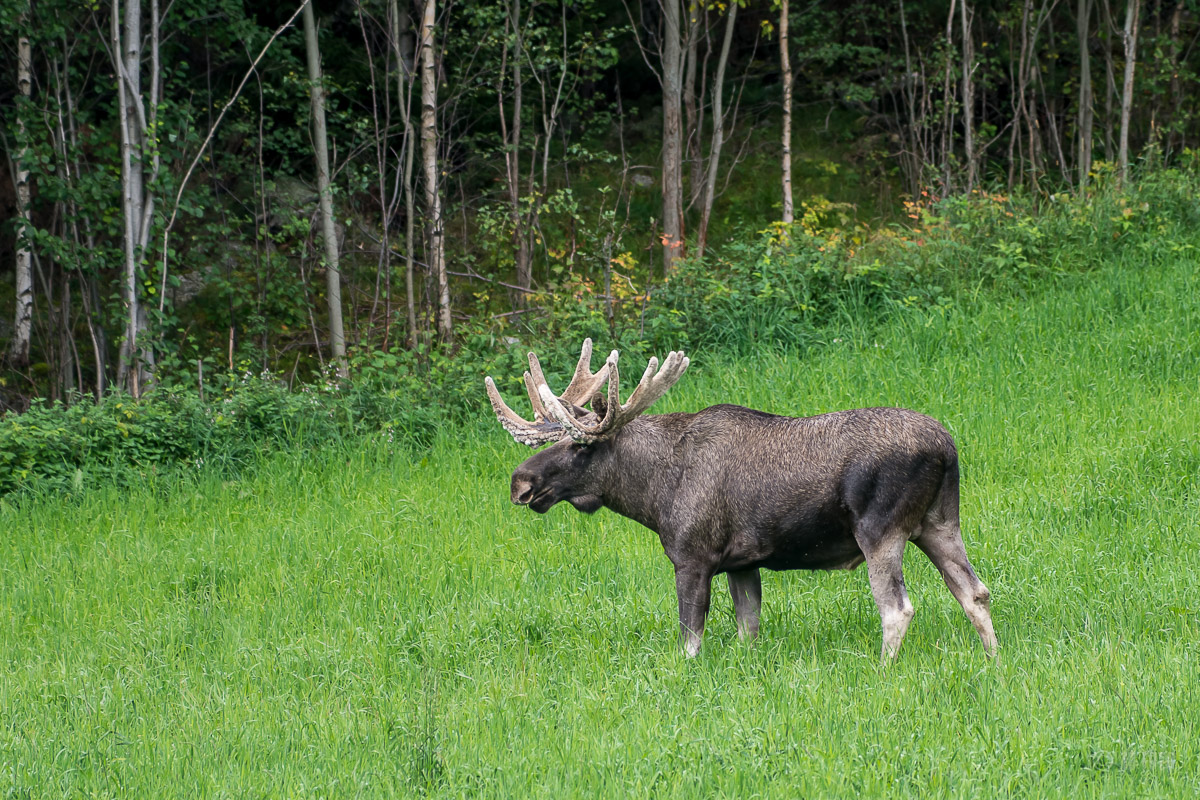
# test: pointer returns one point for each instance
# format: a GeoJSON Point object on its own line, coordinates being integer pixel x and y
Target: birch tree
{"type": "Point", "coordinates": [333, 275]}
{"type": "Point", "coordinates": [429, 148]}
{"type": "Point", "coordinates": [968, 94]}
{"type": "Point", "coordinates": [138, 144]}
{"type": "Point", "coordinates": [785, 68]}
{"type": "Point", "coordinates": [1129, 38]}
{"type": "Point", "coordinates": [18, 353]}
{"type": "Point", "coordinates": [718, 123]}
{"type": "Point", "coordinates": [510, 135]}
{"type": "Point", "coordinates": [672, 144]}
{"type": "Point", "coordinates": [1084, 121]}
{"type": "Point", "coordinates": [405, 69]}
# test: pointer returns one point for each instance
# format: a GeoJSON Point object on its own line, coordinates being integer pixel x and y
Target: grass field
{"type": "Point", "coordinates": [370, 623]}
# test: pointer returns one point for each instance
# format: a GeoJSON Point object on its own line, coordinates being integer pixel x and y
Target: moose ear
{"type": "Point", "coordinates": [599, 404]}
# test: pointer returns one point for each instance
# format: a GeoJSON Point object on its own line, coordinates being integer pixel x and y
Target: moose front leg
{"type": "Point", "coordinates": [745, 587]}
{"type": "Point", "coordinates": [693, 587]}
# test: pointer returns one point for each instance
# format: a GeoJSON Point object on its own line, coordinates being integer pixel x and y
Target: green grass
{"type": "Point", "coordinates": [368, 623]}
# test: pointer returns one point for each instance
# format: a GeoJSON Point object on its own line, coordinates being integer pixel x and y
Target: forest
{"type": "Point", "coordinates": [196, 189]}
{"type": "Point", "coordinates": [257, 260]}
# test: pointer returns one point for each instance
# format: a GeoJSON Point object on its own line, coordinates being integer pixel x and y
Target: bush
{"type": "Point", "coordinates": [788, 287]}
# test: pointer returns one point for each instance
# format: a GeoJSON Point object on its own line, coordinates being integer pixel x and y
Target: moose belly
{"type": "Point", "coordinates": [816, 541]}
{"type": "Point", "coordinates": [824, 553]}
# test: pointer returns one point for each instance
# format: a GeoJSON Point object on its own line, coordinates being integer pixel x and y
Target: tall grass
{"type": "Point", "coordinates": [368, 621]}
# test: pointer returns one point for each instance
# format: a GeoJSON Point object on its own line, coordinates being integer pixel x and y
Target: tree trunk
{"type": "Point", "coordinates": [133, 358]}
{"type": "Point", "coordinates": [696, 13]}
{"type": "Point", "coordinates": [18, 352]}
{"type": "Point", "coordinates": [333, 276]}
{"type": "Point", "coordinates": [913, 155]}
{"type": "Point", "coordinates": [429, 146]}
{"type": "Point", "coordinates": [948, 106]}
{"type": "Point", "coordinates": [672, 151]}
{"type": "Point", "coordinates": [404, 72]}
{"type": "Point", "coordinates": [785, 68]}
{"type": "Point", "coordinates": [511, 135]}
{"type": "Point", "coordinates": [1175, 131]}
{"type": "Point", "coordinates": [1129, 37]}
{"type": "Point", "coordinates": [1110, 81]}
{"type": "Point", "coordinates": [968, 95]}
{"type": "Point", "coordinates": [718, 116]}
{"type": "Point", "coordinates": [1086, 115]}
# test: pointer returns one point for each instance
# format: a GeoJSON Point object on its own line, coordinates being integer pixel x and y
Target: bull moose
{"type": "Point", "coordinates": [729, 489]}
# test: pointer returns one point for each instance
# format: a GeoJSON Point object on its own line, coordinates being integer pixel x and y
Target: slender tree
{"type": "Point", "coordinates": [672, 144]}
{"type": "Point", "coordinates": [785, 67]}
{"type": "Point", "coordinates": [966, 18]}
{"type": "Point", "coordinates": [718, 124]}
{"type": "Point", "coordinates": [948, 105]}
{"type": "Point", "coordinates": [1085, 112]}
{"type": "Point", "coordinates": [1129, 39]}
{"type": "Point", "coordinates": [138, 145]}
{"type": "Point", "coordinates": [692, 114]}
{"type": "Point", "coordinates": [405, 69]}
{"type": "Point", "coordinates": [23, 323]}
{"type": "Point", "coordinates": [333, 275]}
{"type": "Point", "coordinates": [512, 59]}
{"type": "Point", "coordinates": [429, 148]}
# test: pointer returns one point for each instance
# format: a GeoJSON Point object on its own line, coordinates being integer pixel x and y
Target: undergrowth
{"type": "Point", "coordinates": [793, 287]}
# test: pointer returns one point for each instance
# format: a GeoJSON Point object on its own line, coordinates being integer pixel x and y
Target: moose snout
{"type": "Point", "coordinates": [522, 490]}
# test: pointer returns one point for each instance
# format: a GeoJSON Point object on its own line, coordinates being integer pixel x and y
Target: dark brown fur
{"type": "Point", "coordinates": [733, 490]}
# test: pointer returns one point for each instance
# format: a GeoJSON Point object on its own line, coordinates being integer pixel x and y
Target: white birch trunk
{"type": "Point", "coordinates": [127, 58]}
{"type": "Point", "coordinates": [672, 147]}
{"type": "Point", "coordinates": [968, 96]}
{"type": "Point", "coordinates": [23, 323]}
{"type": "Point", "coordinates": [1083, 155]}
{"type": "Point", "coordinates": [429, 146]}
{"type": "Point", "coordinates": [333, 276]}
{"type": "Point", "coordinates": [696, 13]}
{"type": "Point", "coordinates": [404, 72]}
{"type": "Point", "coordinates": [718, 113]}
{"type": "Point", "coordinates": [785, 66]}
{"type": "Point", "coordinates": [1129, 37]}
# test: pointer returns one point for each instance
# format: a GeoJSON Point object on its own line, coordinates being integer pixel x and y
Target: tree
{"type": "Point", "coordinates": [672, 144]}
{"type": "Point", "coordinates": [405, 69]}
{"type": "Point", "coordinates": [429, 148]}
{"type": "Point", "coordinates": [1129, 37]}
{"type": "Point", "coordinates": [138, 143]}
{"type": "Point", "coordinates": [968, 95]}
{"type": "Point", "coordinates": [23, 323]}
{"type": "Point", "coordinates": [785, 68]}
{"type": "Point", "coordinates": [510, 135]}
{"type": "Point", "coordinates": [333, 275]}
{"type": "Point", "coordinates": [718, 124]}
{"type": "Point", "coordinates": [1083, 154]}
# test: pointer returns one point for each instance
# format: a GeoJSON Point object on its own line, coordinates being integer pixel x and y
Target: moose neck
{"type": "Point", "coordinates": [639, 469]}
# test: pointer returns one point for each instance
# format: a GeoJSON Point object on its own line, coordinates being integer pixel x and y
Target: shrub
{"type": "Point", "coordinates": [788, 287]}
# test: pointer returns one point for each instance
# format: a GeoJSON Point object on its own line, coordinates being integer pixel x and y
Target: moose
{"type": "Point", "coordinates": [729, 489]}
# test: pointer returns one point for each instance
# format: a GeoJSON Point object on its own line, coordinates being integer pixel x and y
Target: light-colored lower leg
{"type": "Point", "coordinates": [884, 560]}
{"type": "Point", "coordinates": [895, 625]}
{"type": "Point", "coordinates": [945, 549]}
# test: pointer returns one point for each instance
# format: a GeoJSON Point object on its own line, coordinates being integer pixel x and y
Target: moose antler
{"type": "Point", "coordinates": [561, 416]}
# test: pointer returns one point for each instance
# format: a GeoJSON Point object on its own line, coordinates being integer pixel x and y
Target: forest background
{"type": "Point", "coordinates": [285, 223]}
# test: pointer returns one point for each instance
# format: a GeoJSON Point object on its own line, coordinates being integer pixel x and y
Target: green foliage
{"type": "Point", "coordinates": [819, 282]}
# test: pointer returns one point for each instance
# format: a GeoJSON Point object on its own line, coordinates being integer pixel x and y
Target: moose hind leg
{"type": "Point", "coordinates": [745, 587]}
{"type": "Point", "coordinates": [693, 588]}
{"type": "Point", "coordinates": [943, 544]}
{"type": "Point", "coordinates": [885, 555]}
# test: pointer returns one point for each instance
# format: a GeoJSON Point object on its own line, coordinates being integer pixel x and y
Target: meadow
{"type": "Point", "coordinates": [375, 621]}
